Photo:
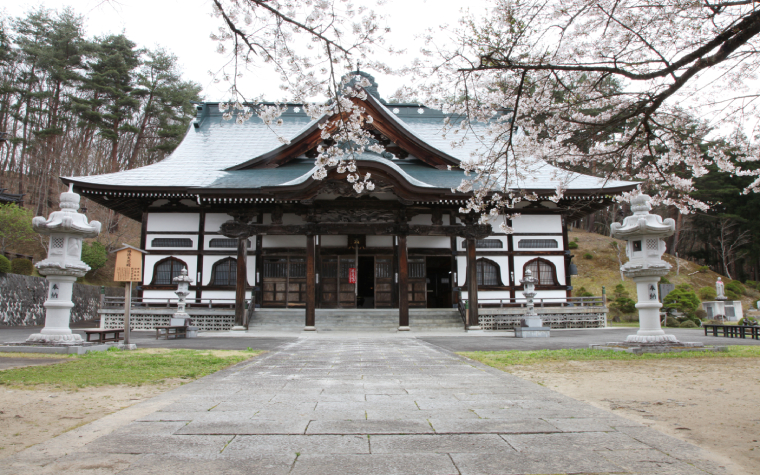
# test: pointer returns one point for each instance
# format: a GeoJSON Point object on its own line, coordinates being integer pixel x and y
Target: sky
{"type": "Point", "coordinates": [183, 28]}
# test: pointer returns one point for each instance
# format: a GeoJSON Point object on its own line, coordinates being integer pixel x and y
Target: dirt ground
{"type": "Point", "coordinates": [31, 416]}
{"type": "Point", "coordinates": [712, 403]}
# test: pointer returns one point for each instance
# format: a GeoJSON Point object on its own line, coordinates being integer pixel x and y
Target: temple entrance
{"type": "Point", "coordinates": [438, 282]}
{"type": "Point", "coordinates": [365, 296]}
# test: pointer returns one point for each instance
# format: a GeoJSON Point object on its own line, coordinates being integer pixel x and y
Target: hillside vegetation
{"type": "Point", "coordinates": [603, 269]}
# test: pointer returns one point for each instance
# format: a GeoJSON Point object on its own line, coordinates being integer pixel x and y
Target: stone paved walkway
{"type": "Point", "coordinates": [362, 406]}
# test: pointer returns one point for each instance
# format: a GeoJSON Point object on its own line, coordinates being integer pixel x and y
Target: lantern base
{"type": "Point", "coordinates": [651, 339]}
{"type": "Point", "coordinates": [52, 338]}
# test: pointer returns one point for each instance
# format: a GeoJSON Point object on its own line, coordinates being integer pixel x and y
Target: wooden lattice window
{"type": "Point", "coordinates": [225, 243]}
{"type": "Point", "coordinates": [224, 272]}
{"type": "Point", "coordinates": [166, 270]}
{"type": "Point", "coordinates": [543, 271]}
{"type": "Point", "coordinates": [171, 242]}
{"type": "Point", "coordinates": [489, 273]}
{"type": "Point", "coordinates": [416, 268]}
{"type": "Point", "coordinates": [486, 244]}
{"type": "Point", "coordinates": [537, 244]}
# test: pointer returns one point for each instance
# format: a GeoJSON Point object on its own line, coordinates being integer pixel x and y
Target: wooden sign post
{"type": "Point", "coordinates": [129, 264]}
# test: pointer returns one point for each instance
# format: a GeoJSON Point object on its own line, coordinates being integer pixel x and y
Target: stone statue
{"type": "Point", "coordinates": [720, 290]}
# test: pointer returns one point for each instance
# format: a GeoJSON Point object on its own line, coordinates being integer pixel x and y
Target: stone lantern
{"type": "Point", "coordinates": [644, 233]}
{"type": "Point", "coordinates": [66, 228]}
{"type": "Point", "coordinates": [531, 326]}
{"type": "Point", "coordinates": [183, 290]}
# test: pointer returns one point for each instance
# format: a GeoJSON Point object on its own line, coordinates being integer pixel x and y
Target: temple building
{"type": "Point", "coordinates": [242, 213]}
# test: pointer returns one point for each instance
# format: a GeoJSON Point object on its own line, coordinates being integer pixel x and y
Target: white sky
{"type": "Point", "coordinates": [183, 28]}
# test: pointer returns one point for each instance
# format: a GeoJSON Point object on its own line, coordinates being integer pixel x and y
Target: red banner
{"type": "Point", "coordinates": [352, 275]}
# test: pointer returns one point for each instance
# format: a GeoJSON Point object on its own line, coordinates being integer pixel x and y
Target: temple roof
{"type": "Point", "coordinates": [218, 155]}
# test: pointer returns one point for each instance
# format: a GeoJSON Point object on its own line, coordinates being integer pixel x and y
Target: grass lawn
{"type": "Point", "coordinates": [504, 359]}
{"type": "Point", "coordinates": [133, 368]}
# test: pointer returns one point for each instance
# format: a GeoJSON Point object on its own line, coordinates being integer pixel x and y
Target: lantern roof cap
{"type": "Point", "coordinates": [642, 223]}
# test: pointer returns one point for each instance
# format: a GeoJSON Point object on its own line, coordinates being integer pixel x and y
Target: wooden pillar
{"type": "Point", "coordinates": [403, 284]}
{"type": "Point", "coordinates": [311, 283]}
{"type": "Point", "coordinates": [472, 285]}
{"type": "Point", "coordinates": [240, 286]}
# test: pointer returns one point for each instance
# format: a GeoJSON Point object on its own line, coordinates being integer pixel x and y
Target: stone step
{"type": "Point", "coordinates": [356, 319]}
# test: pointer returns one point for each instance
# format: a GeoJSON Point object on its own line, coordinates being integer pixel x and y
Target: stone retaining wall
{"type": "Point", "coordinates": [22, 296]}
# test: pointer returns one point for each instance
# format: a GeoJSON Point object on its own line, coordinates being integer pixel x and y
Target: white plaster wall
{"type": "Point", "coordinates": [502, 261]}
{"type": "Point", "coordinates": [208, 265]}
{"type": "Point", "coordinates": [538, 223]}
{"type": "Point", "coordinates": [380, 241]}
{"type": "Point", "coordinates": [207, 239]}
{"type": "Point", "coordinates": [283, 241]}
{"type": "Point", "coordinates": [151, 237]}
{"type": "Point", "coordinates": [558, 261]}
{"type": "Point", "coordinates": [335, 241]}
{"type": "Point", "coordinates": [151, 260]}
{"type": "Point", "coordinates": [430, 242]}
{"type": "Point", "coordinates": [485, 296]}
{"type": "Point", "coordinates": [558, 239]}
{"type": "Point", "coordinates": [215, 220]}
{"type": "Point", "coordinates": [173, 222]}
{"type": "Point", "coordinates": [550, 295]}
{"type": "Point", "coordinates": [222, 294]}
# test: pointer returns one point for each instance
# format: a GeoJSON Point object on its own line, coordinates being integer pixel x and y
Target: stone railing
{"type": "Point", "coordinates": [148, 318]}
{"type": "Point", "coordinates": [573, 312]}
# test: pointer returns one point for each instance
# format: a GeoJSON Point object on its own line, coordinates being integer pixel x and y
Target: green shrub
{"type": "Point", "coordinates": [572, 245]}
{"type": "Point", "coordinates": [5, 264]}
{"type": "Point", "coordinates": [707, 293]}
{"type": "Point", "coordinates": [700, 314]}
{"type": "Point", "coordinates": [671, 322]}
{"type": "Point", "coordinates": [22, 266]}
{"type": "Point", "coordinates": [582, 292]}
{"type": "Point", "coordinates": [683, 299]}
{"type": "Point", "coordinates": [94, 255]}
{"type": "Point", "coordinates": [588, 255]}
{"type": "Point", "coordinates": [664, 280]}
{"type": "Point", "coordinates": [736, 287]}
{"type": "Point", "coordinates": [620, 291]}
{"type": "Point", "coordinates": [703, 269]}
{"type": "Point", "coordinates": [688, 324]}
{"type": "Point", "coordinates": [752, 284]}
{"type": "Point", "coordinates": [731, 295]}
{"type": "Point", "coordinates": [624, 305]}
{"type": "Point", "coordinates": [748, 320]}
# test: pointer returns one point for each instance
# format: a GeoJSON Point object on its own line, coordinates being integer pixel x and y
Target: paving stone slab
{"type": "Point", "coordinates": [254, 464]}
{"type": "Point", "coordinates": [244, 445]}
{"type": "Point", "coordinates": [513, 463]}
{"type": "Point", "coordinates": [569, 442]}
{"type": "Point", "coordinates": [651, 462]}
{"type": "Point", "coordinates": [447, 443]}
{"type": "Point", "coordinates": [420, 464]}
{"type": "Point", "coordinates": [491, 426]}
{"type": "Point", "coordinates": [589, 424]}
{"type": "Point", "coordinates": [409, 426]}
{"type": "Point", "coordinates": [253, 426]}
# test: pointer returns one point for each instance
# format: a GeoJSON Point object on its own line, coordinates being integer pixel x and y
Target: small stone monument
{"type": "Point", "coordinates": [531, 326]}
{"type": "Point", "coordinates": [66, 228]}
{"type": "Point", "coordinates": [644, 233]}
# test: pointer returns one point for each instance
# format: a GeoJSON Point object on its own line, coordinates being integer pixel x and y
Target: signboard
{"type": "Point", "coordinates": [352, 275]}
{"type": "Point", "coordinates": [128, 265]}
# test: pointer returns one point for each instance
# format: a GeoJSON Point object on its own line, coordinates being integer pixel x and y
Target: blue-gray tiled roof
{"type": "Point", "coordinates": [213, 145]}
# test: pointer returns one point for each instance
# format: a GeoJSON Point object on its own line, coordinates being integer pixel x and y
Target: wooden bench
{"type": "Point", "coordinates": [102, 335]}
{"type": "Point", "coordinates": [173, 332]}
{"type": "Point", "coordinates": [733, 331]}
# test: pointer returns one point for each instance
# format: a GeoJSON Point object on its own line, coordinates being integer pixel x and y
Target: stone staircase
{"type": "Point", "coordinates": [433, 319]}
